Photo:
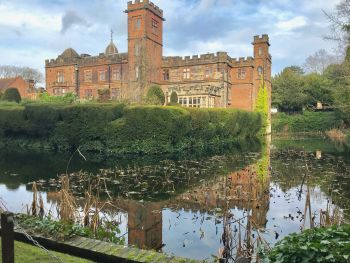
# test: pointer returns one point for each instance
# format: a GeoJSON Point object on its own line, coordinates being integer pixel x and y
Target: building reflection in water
{"type": "Point", "coordinates": [247, 190]}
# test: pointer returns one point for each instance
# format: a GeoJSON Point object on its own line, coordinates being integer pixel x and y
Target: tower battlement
{"type": "Point", "coordinates": [196, 59]}
{"type": "Point", "coordinates": [144, 4]}
{"type": "Point", "coordinates": [242, 62]}
{"type": "Point", "coordinates": [261, 39]}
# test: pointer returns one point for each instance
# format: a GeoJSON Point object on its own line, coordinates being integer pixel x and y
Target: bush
{"type": "Point", "coordinates": [155, 96]}
{"type": "Point", "coordinates": [118, 129]}
{"type": "Point", "coordinates": [67, 98]}
{"type": "Point", "coordinates": [315, 245]}
{"type": "Point", "coordinates": [306, 122]}
{"type": "Point", "coordinates": [12, 94]}
{"type": "Point", "coordinates": [173, 97]}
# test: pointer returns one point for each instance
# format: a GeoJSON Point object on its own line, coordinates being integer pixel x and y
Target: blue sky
{"type": "Point", "coordinates": [34, 30]}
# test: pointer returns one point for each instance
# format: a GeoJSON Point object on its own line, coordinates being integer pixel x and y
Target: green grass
{"type": "Point", "coordinates": [26, 253]}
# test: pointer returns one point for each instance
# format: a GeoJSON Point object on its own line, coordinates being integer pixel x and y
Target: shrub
{"type": "Point", "coordinates": [306, 122]}
{"type": "Point", "coordinates": [173, 97]}
{"type": "Point", "coordinates": [12, 94]}
{"type": "Point", "coordinates": [67, 98]}
{"type": "Point", "coordinates": [104, 95]}
{"type": "Point", "coordinates": [155, 96]}
{"type": "Point", "coordinates": [119, 129]}
{"type": "Point", "coordinates": [315, 245]}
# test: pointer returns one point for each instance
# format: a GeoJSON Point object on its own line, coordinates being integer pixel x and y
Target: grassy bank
{"type": "Point", "coordinates": [29, 254]}
{"type": "Point", "coordinates": [307, 122]}
{"type": "Point", "coordinates": [117, 129]}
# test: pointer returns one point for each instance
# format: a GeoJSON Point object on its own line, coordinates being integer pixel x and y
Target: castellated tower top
{"type": "Point", "coordinates": [144, 4]}
{"type": "Point", "coordinates": [263, 39]}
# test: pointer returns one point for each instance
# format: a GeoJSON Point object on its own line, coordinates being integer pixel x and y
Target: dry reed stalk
{"type": "Point", "coordinates": [336, 135]}
{"type": "Point", "coordinates": [35, 198]}
{"type": "Point", "coordinates": [67, 207]}
{"type": "Point", "coordinates": [41, 207]}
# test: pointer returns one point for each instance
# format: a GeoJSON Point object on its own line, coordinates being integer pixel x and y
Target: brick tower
{"type": "Point", "coordinates": [145, 47]}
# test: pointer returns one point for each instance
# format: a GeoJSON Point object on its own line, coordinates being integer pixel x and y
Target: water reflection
{"type": "Point", "coordinates": [193, 207]}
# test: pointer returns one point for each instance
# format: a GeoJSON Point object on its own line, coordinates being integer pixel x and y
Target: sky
{"type": "Point", "coordinates": [34, 30]}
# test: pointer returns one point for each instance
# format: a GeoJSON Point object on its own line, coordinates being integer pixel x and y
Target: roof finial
{"type": "Point", "coordinates": [112, 35]}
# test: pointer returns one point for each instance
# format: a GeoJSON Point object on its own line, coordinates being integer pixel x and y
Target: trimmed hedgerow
{"type": "Point", "coordinates": [120, 129]}
{"type": "Point", "coordinates": [306, 122]}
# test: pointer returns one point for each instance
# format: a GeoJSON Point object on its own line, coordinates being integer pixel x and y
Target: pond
{"type": "Point", "coordinates": [198, 206]}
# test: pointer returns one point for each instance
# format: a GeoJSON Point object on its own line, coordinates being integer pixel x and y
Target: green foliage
{"type": "Point", "coordinates": [315, 245]}
{"type": "Point", "coordinates": [262, 106]}
{"type": "Point", "coordinates": [62, 230]}
{"type": "Point", "coordinates": [104, 95]}
{"type": "Point", "coordinates": [67, 98]}
{"type": "Point", "coordinates": [288, 90]}
{"type": "Point", "coordinates": [173, 97]}
{"type": "Point", "coordinates": [293, 90]}
{"type": "Point", "coordinates": [306, 122]}
{"type": "Point", "coordinates": [155, 96]}
{"type": "Point", "coordinates": [11, 94]}
{"type": "Point", "coordinates": [117, 129]}
{"type": "Point", "coordinates": [317, 88]}
{"type": "Point", "coordinates": [339, 76]}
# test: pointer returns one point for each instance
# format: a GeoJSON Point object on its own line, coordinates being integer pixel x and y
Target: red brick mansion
{"type": "Point", "coordinates": [209, 80]}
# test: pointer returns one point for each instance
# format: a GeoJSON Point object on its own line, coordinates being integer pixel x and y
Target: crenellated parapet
{"type": "Point", "coordinates": [144, 4]}
{"type": "Point", "coordinates": [87, 60]}
{"type": "Point", "coordinates": [210, 58]}
{"type": "Point", "coordinates": [242, 62]}
{"type": "Point", "coordinates": [261, 39]}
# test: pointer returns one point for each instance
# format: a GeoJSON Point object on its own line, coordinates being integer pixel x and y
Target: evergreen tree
{"type": "Point", "coordinates": [12, 94]}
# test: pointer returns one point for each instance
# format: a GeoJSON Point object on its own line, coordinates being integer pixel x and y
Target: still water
{"type": "Point", "coordinates": [189, 206]}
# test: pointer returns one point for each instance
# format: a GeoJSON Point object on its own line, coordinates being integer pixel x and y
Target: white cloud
{"type": "Point", "coordinates": [291, 24]}
{"type": "Point", "coordinates": [17, 17]}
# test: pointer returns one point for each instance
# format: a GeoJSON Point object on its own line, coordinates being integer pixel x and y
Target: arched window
{"type": "Point", "coordinates": [260, 70]}
{"type": "Point", "coordinates": [260, 51]}
{"type": "Point", "coordinates": [137, 73]}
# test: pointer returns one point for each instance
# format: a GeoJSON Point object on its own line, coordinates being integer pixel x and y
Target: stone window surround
{"type": "Point", "coordinates": [88, 75]}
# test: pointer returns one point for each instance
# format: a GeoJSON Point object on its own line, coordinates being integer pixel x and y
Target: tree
{"type": "Point", "coordinates": [288, 90]}
{"type": "Point", "coordinates": [339, 77]}
{"type": "Point", "coordinates": [25, 72]}
{"type": "Point", "coordinates": [155, 96]}
{"type": "Point", "coordinates": [318, 62]}
{"type": "Point", "coordinates": [12, 94]}
{"type": "Point", "coordinates": [340, 24]}
{"type": "Point", "coordinates": [317, 87]}
{"type": "Point", "coordinates": [173, 97]}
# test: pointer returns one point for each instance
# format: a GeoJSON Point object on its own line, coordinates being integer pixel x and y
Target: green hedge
{"type": "Point", "coordinates": [315, 245]}
{"type": "Point", "coordinates": [306, 122]}
{"type": "Point", "coordinates": [120, 129]}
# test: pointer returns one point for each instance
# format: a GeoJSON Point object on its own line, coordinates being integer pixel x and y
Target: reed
{"type": "Point", "coordinates": [67, 206]}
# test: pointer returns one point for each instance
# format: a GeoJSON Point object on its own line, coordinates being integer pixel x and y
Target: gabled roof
{"type": "Point", "coordinates": [6, 83]}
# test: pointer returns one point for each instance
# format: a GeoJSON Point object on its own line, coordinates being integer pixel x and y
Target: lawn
{"type": "Point", "coordinates": [26, 253]}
